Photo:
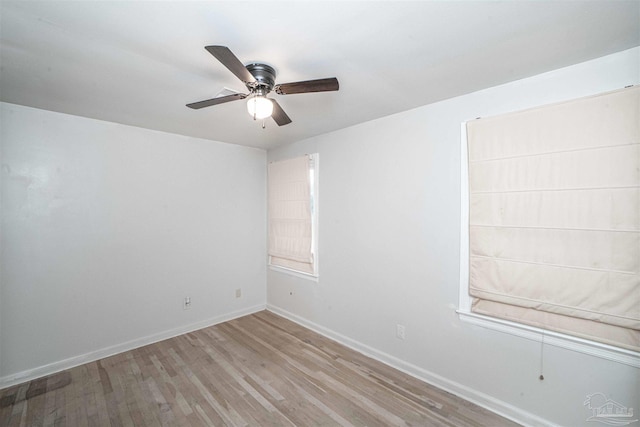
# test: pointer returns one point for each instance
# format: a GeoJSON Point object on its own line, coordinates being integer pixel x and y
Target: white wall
{"type": "Point", "coordinates": [106, 228]}
{"type": "Point", "coordinates": [389, 208]}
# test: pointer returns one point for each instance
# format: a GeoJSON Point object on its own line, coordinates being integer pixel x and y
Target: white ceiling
{"type": "Point", "coordinates": [139, 63]}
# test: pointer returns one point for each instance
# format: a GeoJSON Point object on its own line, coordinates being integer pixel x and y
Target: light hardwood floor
{"type": "Point", "coordinates": [259, 370]}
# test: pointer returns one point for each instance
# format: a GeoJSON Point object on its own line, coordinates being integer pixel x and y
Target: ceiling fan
{"type": "Point", "coordinates": [260, 79]}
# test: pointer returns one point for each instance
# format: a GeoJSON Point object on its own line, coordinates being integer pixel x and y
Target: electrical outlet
{"type": "Point", "coordinates": [238, 292]}
{"type": "Point", "coordinates": [186, 305]}
{"type": "Point", "coordinates": [400, 331]}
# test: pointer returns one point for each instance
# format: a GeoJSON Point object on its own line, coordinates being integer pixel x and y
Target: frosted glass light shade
{"type": "Point", "coordinates": [259, 107]}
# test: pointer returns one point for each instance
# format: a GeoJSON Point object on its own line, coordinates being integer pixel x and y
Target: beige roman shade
{"type": "Point", "coordinates": [554, 217]}
{"type": "Point", "coordinates": [290, 228]}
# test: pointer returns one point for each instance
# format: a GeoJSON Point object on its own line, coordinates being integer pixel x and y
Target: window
{"type": "Point", "coordinates": [293, 215]}
{"type": "Point", "coordinates": [552, 236]}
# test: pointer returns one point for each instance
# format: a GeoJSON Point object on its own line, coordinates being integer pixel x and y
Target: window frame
{"type": "Point", "coordinates": [314, 160]}
{"type": "Point", "coordinates": [581, 345]}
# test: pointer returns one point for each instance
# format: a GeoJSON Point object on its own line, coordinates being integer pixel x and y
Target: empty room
{"type": "Point", "coordinates": [320, 213]}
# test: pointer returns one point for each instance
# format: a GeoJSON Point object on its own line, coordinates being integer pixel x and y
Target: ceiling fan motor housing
{"type": "Point", "coordinates": [265, 75]}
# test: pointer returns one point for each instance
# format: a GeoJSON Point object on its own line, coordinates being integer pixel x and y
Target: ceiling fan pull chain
{"type": "Point", "coordinates": [263, 125]}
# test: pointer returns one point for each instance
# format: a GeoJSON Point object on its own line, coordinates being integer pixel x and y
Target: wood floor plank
{"type": "Point", "coordinates": [258, 370]}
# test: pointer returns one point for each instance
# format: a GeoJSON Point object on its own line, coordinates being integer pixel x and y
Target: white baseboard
{"type": "Point", "coordinates": [481, 399]}
{"type": "Point", "coordinates": [74, 361]}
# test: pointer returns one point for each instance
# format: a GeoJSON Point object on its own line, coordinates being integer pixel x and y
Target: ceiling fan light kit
{"type": "Point", "coordinates": [259, 107]}
{"type": "Point", "coordinates": [260, 80]}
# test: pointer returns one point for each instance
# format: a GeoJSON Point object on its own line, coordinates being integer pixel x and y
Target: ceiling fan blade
{"type": "Point", "coordinates": [279, 115]}
{"type": "Point", "coordinates": [320, 85]}
{"type": "Point", "coordinates": [229, 60]}
{"type": "Point", "coordinates": [216, 101]}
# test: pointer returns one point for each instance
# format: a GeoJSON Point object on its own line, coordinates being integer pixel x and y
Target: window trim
{"type": "Point", "coordinates": [581, 345]}
{"type": "Point", "coordinates": [315, 162]}
{"type": "Point", "coordinates": [292, 272]}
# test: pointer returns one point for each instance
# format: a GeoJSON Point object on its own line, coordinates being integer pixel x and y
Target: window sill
{"type": "Point", "coordinates": [556, 339]}
{"type": "Point", "coordinates": [306, 276]}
